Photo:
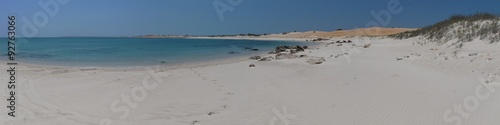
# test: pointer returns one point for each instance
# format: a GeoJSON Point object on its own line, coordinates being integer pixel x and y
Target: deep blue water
{"type": "Point", "coordinates": [132, 51]}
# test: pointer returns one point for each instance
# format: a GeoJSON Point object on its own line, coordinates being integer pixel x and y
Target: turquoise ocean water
{"type": "Point", "coordinates": [112, 52]}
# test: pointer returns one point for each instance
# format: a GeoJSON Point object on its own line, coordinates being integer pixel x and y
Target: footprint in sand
{"type": "Point", "coordinates": [220, 89]}
{"type": "Point", "coordinates": [395, 75]}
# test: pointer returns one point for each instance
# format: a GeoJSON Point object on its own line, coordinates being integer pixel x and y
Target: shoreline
{"type": "Point", "coordinates": [193, 64]}
{"type": "Point", "coordinates": [253, 38]}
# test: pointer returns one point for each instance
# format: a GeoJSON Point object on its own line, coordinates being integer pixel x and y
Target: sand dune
{"type": "Point", "coordinates": [374, 31]}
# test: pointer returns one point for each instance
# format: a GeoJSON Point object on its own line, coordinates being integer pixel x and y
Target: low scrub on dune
{"type": "Point", "coordinates": [464, 28]}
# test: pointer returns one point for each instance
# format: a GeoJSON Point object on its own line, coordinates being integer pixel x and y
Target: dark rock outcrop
{"type": "Point", "coordinates": [293, 49]}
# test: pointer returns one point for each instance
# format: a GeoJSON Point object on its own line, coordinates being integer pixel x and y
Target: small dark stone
{"type": "Point", "coordinates": [266, 59]}
{"type": "Point", "coordinates": [255, 57]}
{"type": "Point", "coordinates": [315, 61]}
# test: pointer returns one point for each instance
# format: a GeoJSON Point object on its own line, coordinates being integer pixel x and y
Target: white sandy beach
{"type": "Point", "coordinates": [370, 86]}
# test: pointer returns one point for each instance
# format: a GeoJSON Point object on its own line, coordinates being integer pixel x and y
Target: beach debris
{"type": "Point", "coordinates": [302, 56]}
{"type": "Point", "coordinates": [399, 59]}
{"type": "Point", "coordinates": [315, 61]}
{"type": "Point", "coordinates": [211, 113]}
{"type": "Point", "coordinates": [415, 54]}
{"type": "Point", "coordinates": [195, 122]}
{"type": "Point", "coordinates": [434, 49]}
{"type": "Point", "coordinates": [266, 59]}
{"type": "Point", "coordinates": [251, 65]}
{"type": "Point", "coordinates": [285, 56]}
{"type": "Point", "coordinates": [255, 57]}
{"type": "Point", "coordinates": [367, 45]}
{"type": "Point", "coordinates": [473, 54]}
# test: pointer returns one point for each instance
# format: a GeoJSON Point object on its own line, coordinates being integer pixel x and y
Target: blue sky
{"type": "Point", "coordinates": [199, 17]}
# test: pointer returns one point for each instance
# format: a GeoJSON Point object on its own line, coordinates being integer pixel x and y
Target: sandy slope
{"type": "Point", "coordinates": [373, 31]}
{"type": "Point", "coordinates": [367, 87]}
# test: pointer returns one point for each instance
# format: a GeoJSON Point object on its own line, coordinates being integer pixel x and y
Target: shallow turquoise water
{"type": "Point", "coordinates": [132, 51]}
